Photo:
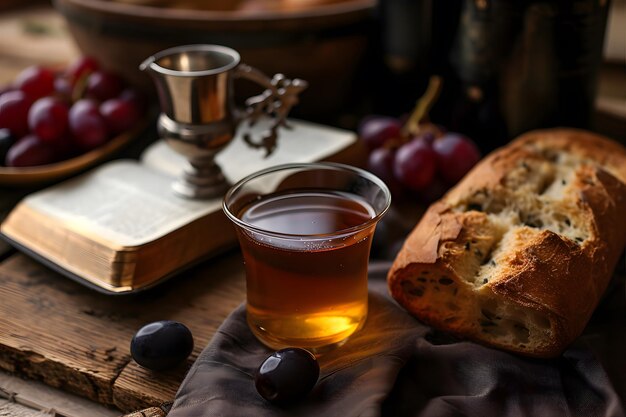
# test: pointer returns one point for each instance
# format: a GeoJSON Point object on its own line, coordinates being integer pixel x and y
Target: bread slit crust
{"type": "Point", "coordinates": [519, 253]}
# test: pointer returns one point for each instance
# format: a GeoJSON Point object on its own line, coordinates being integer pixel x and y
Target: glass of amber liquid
{"type": "Point", "coordinates": [305, 231]}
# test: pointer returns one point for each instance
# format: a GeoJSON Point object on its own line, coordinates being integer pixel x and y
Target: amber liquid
{"type": "Point", "coordinates": [308, 291]}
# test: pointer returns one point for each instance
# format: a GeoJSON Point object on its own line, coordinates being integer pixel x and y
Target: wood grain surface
{"type": "Point", "coordinates": [149, 412]}
{"type": "Point", "coordinates": [57, 331]}
{"type": "Point", "coordinates": [21, 397]}
{"type": "Point", "coordinates": [10, 409]}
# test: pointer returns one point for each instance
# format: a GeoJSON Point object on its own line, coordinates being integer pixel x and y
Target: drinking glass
{"type": "Point", "coordinates": [305, 231]}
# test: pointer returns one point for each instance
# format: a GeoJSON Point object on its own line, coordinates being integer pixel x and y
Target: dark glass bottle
{"type": "Point", "coordinates": [508, 66]}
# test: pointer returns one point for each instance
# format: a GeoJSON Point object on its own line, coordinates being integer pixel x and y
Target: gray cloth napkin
{"type": "Point", "coordinates": [396, 366]}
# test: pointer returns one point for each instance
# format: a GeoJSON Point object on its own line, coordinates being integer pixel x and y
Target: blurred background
{"type": "Point", "coordinates": [507, 67]}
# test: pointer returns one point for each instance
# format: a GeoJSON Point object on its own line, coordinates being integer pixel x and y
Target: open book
{"type": "Point", "coordinates": [120, 227]}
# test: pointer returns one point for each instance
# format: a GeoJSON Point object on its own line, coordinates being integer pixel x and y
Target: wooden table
{"type": "Point", "coordinates": [73, 338]}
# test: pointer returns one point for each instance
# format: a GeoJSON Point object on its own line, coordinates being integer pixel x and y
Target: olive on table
{"type": "Point", "coordinates": [161, 345]}
{"type": "Point", "coordinates": [287, 375]}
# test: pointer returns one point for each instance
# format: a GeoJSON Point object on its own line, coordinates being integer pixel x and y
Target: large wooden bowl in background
{"type": "Point", "coordinates": [321, 41]}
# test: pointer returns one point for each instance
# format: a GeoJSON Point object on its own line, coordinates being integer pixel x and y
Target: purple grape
{"type": "Point", "coordinates": [119, 114]}
{"type": "Point", "coordinates": [103, 85]}
{"type": "Point", "coordinates": [14, 107]}
{"type": "Point", "coordinates": [87, 125]}
{"type": "Point", "coordinates": [375, 131]}
{"type": "Point", "coordinates": [415, 164]}
{"type": "Point", "coordinates": [380, 163]}
{"type": "Point", "coordinates": [36, 81]}
{"type": "Point", "coordinates": [30, 151]}
{"type": "Point", "coordinates": [456, 155]}
{"type": "Point", "coordinates": [48, 119]}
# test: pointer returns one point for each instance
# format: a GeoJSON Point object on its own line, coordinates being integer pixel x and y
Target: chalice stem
{"type": "Point", "coordinates": [202, 178]}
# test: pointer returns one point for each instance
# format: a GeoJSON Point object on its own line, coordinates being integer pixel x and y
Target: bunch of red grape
{"type": "Point", "coordinates": [425, 161]}
{"type": "Point", "coordinates": [47, 117]}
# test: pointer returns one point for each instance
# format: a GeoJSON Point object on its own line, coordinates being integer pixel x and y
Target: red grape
{"type": "Point", "coordinates": [415, 164]}
{"type": "Point", "coordinates": [456, 155]}
{"type": "Point", "coordinates": [63, 87]}
{"type": "Point", "coordinates": [103, 85]}
{"type": "Point", "coordinates": [120, 114]}
{"type": "Point", "coordinates": [6, 88]}
{"type": "Point", "coordinates": [380, 163]}
{"type": "Point", "coordinates": [87, 124]}
{"type": "Point", "coordinates": [48, 119]}
{"type": "Point", "coordinates": [427, 137]}
{"type": "Point", "coordinates": [376, 130]}
{"type": "Point", "coordinates": [30, 151]}
{"type": "Point", "coordinates": [36, 81]}
{"type": "Point", "coordinates": [36, 107]}
{"type": "Point", "coordinates": [134, 97]}
{"type": "Point", "coordinates": [14, 107]}
{"type": "Point", "coordinates": [81, 67]}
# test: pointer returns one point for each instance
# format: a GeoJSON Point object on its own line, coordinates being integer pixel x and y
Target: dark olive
{"type": "Point", "coordinates": [6, 141]}
{"type": "Point", "coordinates": [161, 345]}
{"type": "Point", "coordinates": [287, 376]}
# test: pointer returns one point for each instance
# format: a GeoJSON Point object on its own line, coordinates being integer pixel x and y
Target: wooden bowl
{"type": "Point", "coordinates": [321, 41]}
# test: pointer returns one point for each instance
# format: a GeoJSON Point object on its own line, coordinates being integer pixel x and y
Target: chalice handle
{"type": "Point", "coordinates": [279, 96]}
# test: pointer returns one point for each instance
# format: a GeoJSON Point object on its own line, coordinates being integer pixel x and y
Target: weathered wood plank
{"type": "Point", "coordinates": [9, 409]}
{"type": "Point", "coordinates": [202, 301]}
{"type": "Point", "coordinates": [149, 412]}
{"type": "Point", "coordinates": [46, 331]}
{"type": "Point", "coordinates": [68, 336]}
{"type": "Point", "coordinates": [29, 398]}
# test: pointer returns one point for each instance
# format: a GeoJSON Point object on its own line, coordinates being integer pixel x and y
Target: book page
{"type": "Point", "coordinates": [121, 202]}
{"type": "Point", "coordinates": [128, 204]}
{"type": "Point", "coordinates": [304, 142]}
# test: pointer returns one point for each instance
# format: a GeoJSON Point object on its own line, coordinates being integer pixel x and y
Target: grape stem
{"type": "Point", "coordinates": [423, 105]}
{"type": "Point", "coordinates": [79, 87]}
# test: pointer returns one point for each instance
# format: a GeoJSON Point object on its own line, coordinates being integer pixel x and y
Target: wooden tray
{"type": "Point", "coordinates": [57, 331]}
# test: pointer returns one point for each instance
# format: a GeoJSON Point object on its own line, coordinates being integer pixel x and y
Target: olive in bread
{"type": "Point", "coordinates": [519, 253]}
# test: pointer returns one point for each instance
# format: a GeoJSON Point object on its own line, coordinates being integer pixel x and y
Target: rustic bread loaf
{"type": "Point", "coordinates": [518, 254]}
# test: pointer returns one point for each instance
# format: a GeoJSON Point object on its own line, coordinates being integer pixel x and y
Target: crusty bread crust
{"type": "Point", "coordinates": [519, 253]}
